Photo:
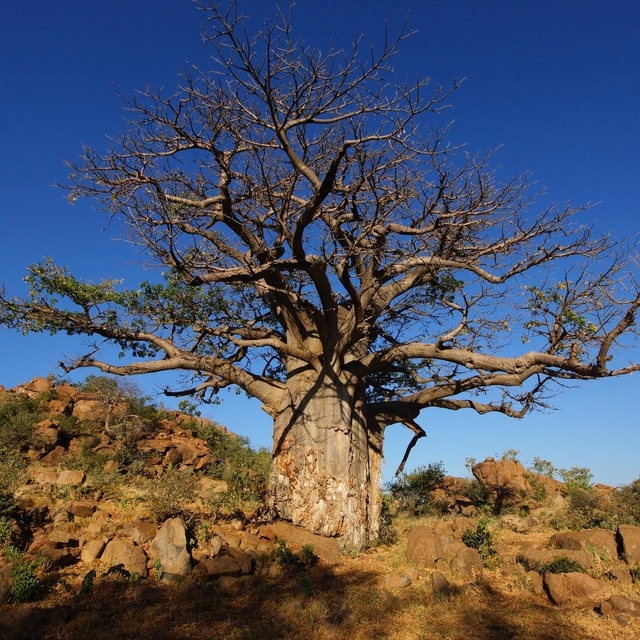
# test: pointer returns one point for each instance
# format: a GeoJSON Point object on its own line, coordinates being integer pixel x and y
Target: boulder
{"type": "Point", "coordinates": [397, 581]}
{"type": "Point", "coordinates": [47, 432]}
{"type": "Point", "coordinates": [218, 567]}
{"type": "Point", "coordinates": [537, 558]}
{"type": "Point", "coordinates": [36, 387]}
{"type": "Point", "coordinates": [507, 478]}
{"type": "Point", "coordinates": [326, 549]}
{"type": "Point", "coordinates": [84, 409]}
{"type": "Point", "coordinates": [70, 477]}
{"type": "Point", "coordinates": [66, 392]}
{"type": "Point", "coordinates": [440, 584]}
{"type": "Point", "coordinates": [564, 588]}
{"type": "Point", "coordinates": [620, 604]}
{"type": "Point", "coordinates": [169, 548]}
{"type": "Point", "coordinates": [125, 552]}
{"type": "Point", "coordinates": [597, 539]}
{"type": "Point", "coordinates": [629, 537]}
{"type": "Point", "coordinates": [92, 550]}
{"type": "Point", "coordinates": [58, 406]}
{"type": "Point", "coordinates": [428, 549]}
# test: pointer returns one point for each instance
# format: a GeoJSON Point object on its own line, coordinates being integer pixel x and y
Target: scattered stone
{"type": "Point", "coordinates": [54, 456]}
{"type": "Point", "coordinates": [275, 571]}
{"type": "Point", "coordinates": [169, 547]}
{"type": "Point", "coordinates": [231, 585]}
{"type": "Point", "coordinates": [42, 476]}
{"type": "Point", "coordinates": [92, 550]}
{"type": "Point", "coordinates": [397, 581]}
{"type": "Point", "coordinates": [623, 604]}
{"type": "Point", "coordinates": [125, 552]}
{"type": "Point", "coordinates": [71, 477]}
{"type": "Point", "coordinates": [82, 509]}
{"type": "Point", "coordinates": [537, 585]}
{"type": "Point", "coordinates": [326, 549]}
{"type": "Point", "coordinates": [566, 588]}
{"type": "Point", "coordinates": [218, 567]}
{"type": "Point", "coordinates": [110, 466]}
{"type": "Point", "coordinates": [440, 584]}
{"type": "Point", "coordinates": [140, 531]}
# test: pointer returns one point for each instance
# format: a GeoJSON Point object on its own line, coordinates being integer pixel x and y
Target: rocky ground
{"type": "Point", "coordinates": [99, 551]}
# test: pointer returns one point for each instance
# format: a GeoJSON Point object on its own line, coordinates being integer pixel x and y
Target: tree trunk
{"type": "Point", "coordinates": [326, 461]}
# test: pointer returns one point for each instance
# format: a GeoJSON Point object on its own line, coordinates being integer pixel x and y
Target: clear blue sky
{"type": "Point", "coordinates": [557, 84]}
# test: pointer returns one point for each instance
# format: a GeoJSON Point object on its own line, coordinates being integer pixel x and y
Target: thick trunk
{"type": "Point", "coordinates": [326, 461]}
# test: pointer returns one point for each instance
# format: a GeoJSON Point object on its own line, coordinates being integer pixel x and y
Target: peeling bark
{"type": "Point", "coordinates": [326, 461]}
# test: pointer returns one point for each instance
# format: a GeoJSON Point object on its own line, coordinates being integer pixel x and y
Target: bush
{"type": "Point", "coordinates": [477, 493]}
{"type": "Point", "coordinates": [25, 585]}
{"type": "Point", "coordinates": [412, 491]}
{"type": "Point", "coordinates": [245, 471]}
{"type": "Point", "coordinates": [17, 416]}
{"type": "Point", "coordinates": [561, 564]}
{"type": "Point", "coordinates": [481, 539]}
{"type": "Point", "coordinates": [626, 502]}
{"type": "Point", "coordinates": [576, 478]}
{"type": "Point", "coordinates": [171, 493]}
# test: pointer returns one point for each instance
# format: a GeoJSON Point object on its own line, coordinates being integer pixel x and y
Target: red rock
{"type": "Point", "coordinates": [566, 588]}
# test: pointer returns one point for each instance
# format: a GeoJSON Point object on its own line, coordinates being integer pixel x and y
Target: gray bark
{"type": "Point", "coordinates": [326, 461]}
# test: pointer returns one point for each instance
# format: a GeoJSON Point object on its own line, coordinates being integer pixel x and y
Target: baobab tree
{"type": "Point", "coordinates": [325, 250]}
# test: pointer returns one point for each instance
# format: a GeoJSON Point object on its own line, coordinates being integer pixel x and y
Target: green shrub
{"type": "Point", "coordinates": [387, 534]}
{"type": "Point", "coordinates": [17, 416]}
{"type": "Point", "coordinates": [626, 502]}
{"type": "Point", "coordinates": [6, 530]}
{"type": "Point", "coordinates": [25, 585]}
{"type": "Point", "coordinates": [245, 471]}
{"type": "Point", "coordinates": [576, 478]}
{"type": "Point", "coordinates": [561, 564]}
{"type": "Point", "coordinates": [412, 491]}
{"type": "Point", "coordinates": [288, 558]}
{"type": "Point", "coordinates": [543, 467]}
{"type": "Point", "coordinates": [481, 539]}
{"type": "Point", "coordinates": [477, 493]}
{"type": "Point", "coordinates": [170, 494]}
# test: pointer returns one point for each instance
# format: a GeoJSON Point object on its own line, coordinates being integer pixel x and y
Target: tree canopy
{"type": "Point", "coordinates": [311, 218]}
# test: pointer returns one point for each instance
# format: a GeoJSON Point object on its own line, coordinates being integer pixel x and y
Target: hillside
{"type": "Point", "coordinates": [121, 519]}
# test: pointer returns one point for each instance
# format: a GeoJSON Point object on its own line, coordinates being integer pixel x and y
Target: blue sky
{"type": "Point", "coordinates": [555, 84]}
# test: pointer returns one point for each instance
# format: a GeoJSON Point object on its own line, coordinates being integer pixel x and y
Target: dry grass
{"type": "Point", "coordinates": [348, 600]}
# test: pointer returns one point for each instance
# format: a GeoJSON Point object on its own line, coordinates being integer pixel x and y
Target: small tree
{"type": "Point", "coordinates": [328, 253]}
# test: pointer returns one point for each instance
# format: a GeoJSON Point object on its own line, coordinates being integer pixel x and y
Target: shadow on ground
{"type": "Point", "coordinates": [314, 604]}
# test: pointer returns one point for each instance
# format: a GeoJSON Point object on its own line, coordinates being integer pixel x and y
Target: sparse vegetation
{"type": "Point", "coordinates": [561, 564]}
{"type": "Point", "coordinates": [171, 494]}
{"type": "Point", "coordinates": [302, 593]}
{"type": "Point", "coordinates": [412, 492]}
{"type": "Point", "coordinates": [26, 585]}
{"type": "Point", "coordinates": [481, 539]}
